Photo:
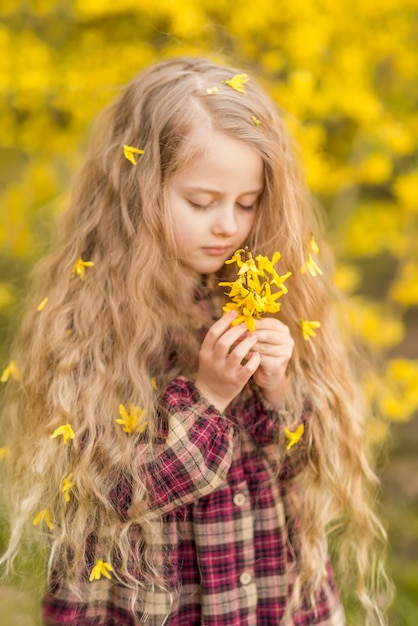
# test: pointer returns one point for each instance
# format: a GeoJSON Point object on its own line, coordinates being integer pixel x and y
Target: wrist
{"type": "Point", "coordinates": [276, 394]}
{"type": "Point", "coordinates": [218, 402]}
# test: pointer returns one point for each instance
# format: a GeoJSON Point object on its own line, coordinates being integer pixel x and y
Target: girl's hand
{"type": "Point", "coordinates": [275, 347]}
{"type": "Point", "coordinates": [221, 374]}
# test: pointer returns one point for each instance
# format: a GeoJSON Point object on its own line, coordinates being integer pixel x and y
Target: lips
{"type": "Point", "coordinates": [216, 250]}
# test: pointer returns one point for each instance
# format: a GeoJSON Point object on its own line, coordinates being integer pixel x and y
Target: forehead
{"type": "Point", "coordinates": [221, 164]}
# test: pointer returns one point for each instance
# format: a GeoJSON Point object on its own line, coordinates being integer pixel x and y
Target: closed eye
{"type": "Point", "coordinates": [245, 207]}
{"type": "Point", "coordinates": [198, 207]}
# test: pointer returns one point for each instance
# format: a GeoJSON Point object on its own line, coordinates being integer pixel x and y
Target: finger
{"type": "Point", "coordinates": [273, 350]}
{"type": "Point", "coordinates": [279, 335]}
{"type": "Point", "coordinates": [221, 326]}
{"type": "Point", "coordinates": [241, 349]}
{"type": "Point", "coordinates": [231, 338]}
{"type": "Point", "coordinates": [281, 346]}
{"type": "Point", "coordinates": [252, 364]}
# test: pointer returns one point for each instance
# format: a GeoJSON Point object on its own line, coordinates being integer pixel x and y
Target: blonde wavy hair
{"type": "Point", "coordinates": [100, 341]}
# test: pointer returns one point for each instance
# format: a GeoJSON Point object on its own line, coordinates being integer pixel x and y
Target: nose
{"type": "Point", "coordinates": [225, 222]}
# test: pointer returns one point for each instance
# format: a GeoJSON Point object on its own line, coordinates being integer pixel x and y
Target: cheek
{"type": "Point", "coordinates": [184, 235]}
{"type": "Point", "coordinates": [249, 223]}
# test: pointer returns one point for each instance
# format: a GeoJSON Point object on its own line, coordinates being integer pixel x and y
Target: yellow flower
{"type": "Point", "coordinates": [310, 266]}
{"type": "Point", "coordinates": [237, 82]}
{"type": "Point", "coordinates": [66, 431]}
{"type": "Point", "coordinates": [212, 90]}
{"type": "Point", "coordinates": [132, 421]}
{"type": "Point", "coordinates": [130, 151]}
{"type": "Point", "coordinates": [11, 370]}
{"type": "Point", "coordinates": [308, 328]}
{"type": "Point", "coordinates": [236, 257]}
{"type": "Point", "coordinates": [102, 568]}
{"type": "Point", "coordinates": [294, 437]}
{"type": "Point", "coordinates": [42, 304]}
{"type": "Point", "coordinates": [79, 268]}
{"type": "Point", "coordinates": [44, 515]}
{"type": "Point", "coordinates": [251, 293]}
{"type": "Point", "coordinates": [154, 383]}
{"type": "Point", "coordinates": [67, 485]}
{"type": "Point", "coordinates": [313, 245]}
{"type": "Point", "coordinates": [255, 120]}
{"type": "Point", "coordinates": [4, 453]}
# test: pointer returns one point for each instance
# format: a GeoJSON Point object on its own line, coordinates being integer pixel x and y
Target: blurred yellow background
{"type": "Point", "coordinates": [346, 73]}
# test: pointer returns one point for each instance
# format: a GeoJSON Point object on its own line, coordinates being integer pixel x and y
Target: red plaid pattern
{"type": "Point", "coordinates": [228, 548]}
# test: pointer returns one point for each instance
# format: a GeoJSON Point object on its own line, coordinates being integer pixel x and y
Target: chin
{"type": "Point", "coordinates": [207, 268]}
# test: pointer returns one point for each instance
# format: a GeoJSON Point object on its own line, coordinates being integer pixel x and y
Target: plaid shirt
{"type": "Point", "coordinates": [228, 548]}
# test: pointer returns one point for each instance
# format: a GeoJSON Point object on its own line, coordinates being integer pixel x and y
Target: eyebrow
{"type": "Point", "coordinates": [207, 190]}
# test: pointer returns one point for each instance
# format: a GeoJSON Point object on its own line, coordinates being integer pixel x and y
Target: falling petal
{"type": "Point", "coordinates": [67, 485]}
{"type": "Point", "coordinates": [308, 328]}
{"type": "Point", "coordinates": [237, 82]}
{"type": "Point", "coordinates": [132, 420]}
{"type": "Point", "coordinates": [79, 268]}
{"type": "Point", "coordinates": [66, 431]}
{"type": "Point", "coordinates": [102, 568]}
{"type": "Point", "coordinates": [314, 246]}
{"type": "Point", "coordinates": [294, 437]}
{"type": "Point", "coordinates": [45, 516]}
{"type": "Point", "coordinates": [212, 90]}
{"type": "Point", "coordinates": [130, 152]}
{"type": "Point", "coordinates": [4, 453]}
{"type": "Point", "coordinates": [11, 370]}
{"type": "Point", "coordinates": [42, 304]}
{"type": "Point", "coordinates": [310, 266]}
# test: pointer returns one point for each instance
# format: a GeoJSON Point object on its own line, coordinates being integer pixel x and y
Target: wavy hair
{"type": "Point", "coordinates": [100, 341]}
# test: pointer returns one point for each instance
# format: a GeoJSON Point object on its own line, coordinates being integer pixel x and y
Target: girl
{"type": "Point", "coordinates": [183, 469]}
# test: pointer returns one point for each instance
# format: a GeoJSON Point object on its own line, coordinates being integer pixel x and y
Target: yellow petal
{"type": "Point", "coordinates": [310, 266]}
{"type": "Point", "coordinates": [294, 437]}
{"type": "Point", "coordinates": [67, 485]}
{"type": "Point", "coordinates": [314, 246]}
{"type": "Point", "coordinates": [133, 420]}
{"type": "Point", "coordinates": [79, 267]}
{"type": "Point", "coordinates": [4, 453]}
{"type": "Point", "coordinates": [212, 90]}
{"type": "Point", "coordinates": [42, 304]}
{"type": "Point", "coordinates": [130, 151]}
{"type": "Point", "coordinates": [237, 82]}
{"type": "Point", "coordinates": [154, 383]}
{"type": "Point", "coordinates": [65, 430]}
{"type": "Point", "coordinates": [11, 370]}
{"type": "Point", "coordinates": [236, 257]}
{"type": "Point", "coordinates": [308, 328]}
{"type": "Point", "coordinates": [45, 516]}
{"type": "Point", "coordinates": [255, 120]}
{"type": "Point", "coordinates": [102, 568]}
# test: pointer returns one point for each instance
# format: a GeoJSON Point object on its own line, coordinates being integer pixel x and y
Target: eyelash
{"type": "Point", "coordinates": [202, 207]}
{"type": "Point", "coordinates": [198, 207]}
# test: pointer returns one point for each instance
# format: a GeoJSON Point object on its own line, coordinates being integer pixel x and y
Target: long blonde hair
{"type": "Point", "coordinates": [100, 341]}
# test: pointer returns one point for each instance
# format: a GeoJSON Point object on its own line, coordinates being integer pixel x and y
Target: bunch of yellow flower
{"type": "Point", "coordinates": [251, 293]}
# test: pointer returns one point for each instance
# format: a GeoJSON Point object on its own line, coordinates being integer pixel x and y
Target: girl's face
{"type": "Point", "coordinates": [213, 200]}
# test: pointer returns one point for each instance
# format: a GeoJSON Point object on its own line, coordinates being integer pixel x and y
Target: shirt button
{"type": "Point", "coordinates": [245, 578]}
{"type": "Point", "coordinates": [239, 499]}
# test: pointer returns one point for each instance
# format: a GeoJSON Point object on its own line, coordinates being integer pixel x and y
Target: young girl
{"type": "Point", "coordinates": [182, 468]}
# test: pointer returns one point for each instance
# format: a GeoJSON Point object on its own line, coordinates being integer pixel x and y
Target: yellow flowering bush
{"type": "Point", "coordinates": [345, 73]}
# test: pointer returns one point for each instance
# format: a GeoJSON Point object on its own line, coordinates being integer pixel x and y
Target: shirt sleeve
{"type": "Point", "coordinates": [260, 419]}
{"type": "Point", "coordinates": [266, 425]}
{"type": "Point", "coordinates": [192, 462]}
